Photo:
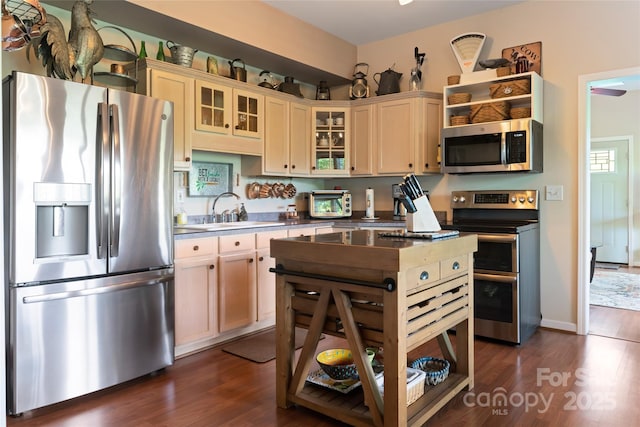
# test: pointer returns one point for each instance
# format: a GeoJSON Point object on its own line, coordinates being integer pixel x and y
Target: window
{"type": "Point", "coordinates": [602, 161]}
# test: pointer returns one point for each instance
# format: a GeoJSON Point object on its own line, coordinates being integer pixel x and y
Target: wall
{"type": "Point", "coordinates": [578, 37]}
{"type": "Point", "coordinates": [618, 116]}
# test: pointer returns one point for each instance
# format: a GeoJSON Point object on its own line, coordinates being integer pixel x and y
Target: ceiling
{"type": "Point", "coordinates": [365, 21]}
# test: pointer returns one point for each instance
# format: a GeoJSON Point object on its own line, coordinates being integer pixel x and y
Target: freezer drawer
{"type": "Point", "coordinates": [73, 338]}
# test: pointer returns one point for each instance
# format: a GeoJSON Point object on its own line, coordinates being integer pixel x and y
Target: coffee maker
{"type": "Point", "coordinates": [399, 211]}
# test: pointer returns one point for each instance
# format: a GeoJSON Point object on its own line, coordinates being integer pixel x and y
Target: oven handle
{"type": "Point", "coordinates": [496, 277]}
{"type": "Point", "coordinates": [497, 238]}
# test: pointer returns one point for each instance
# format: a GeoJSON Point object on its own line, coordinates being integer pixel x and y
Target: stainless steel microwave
{"type": "Point", "coordinates": [329, 204]}
{"type": "Point", "coordinates": [507, 146]}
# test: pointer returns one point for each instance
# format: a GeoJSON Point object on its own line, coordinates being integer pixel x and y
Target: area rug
{"type": "Point", "coordinates": [608, 266]}
{"type": "Point", "coordinates": [261, 347]}
{"type": "Point", "coordinates": [616, 289]}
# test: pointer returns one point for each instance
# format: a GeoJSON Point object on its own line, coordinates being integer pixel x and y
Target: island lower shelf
{"type": "Point", "coordinates": [394, 294]}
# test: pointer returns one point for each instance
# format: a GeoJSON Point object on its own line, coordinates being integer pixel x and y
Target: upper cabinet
{"type": "Point", "coordinates": [362, 139]}
{"type": "Point", "coordinates": [330, 141]}
{"type": "Point", "coordinates": [179, 90]}
{"type": "Point", "coordinates": [501, 98]}
{"type": "Point", "coordinates": [228, 119]}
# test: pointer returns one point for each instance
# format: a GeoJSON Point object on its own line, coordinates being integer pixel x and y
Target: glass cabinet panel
{"type": "Point", "coordinates": [330, 144]}
{"type": "Point", "coordinates": [213, 108]}
{"type": "Point", "coordinates": [248, 114]}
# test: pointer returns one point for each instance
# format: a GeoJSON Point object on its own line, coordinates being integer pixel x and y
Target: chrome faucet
{"type": "Point", "coordinates": [227, 194]}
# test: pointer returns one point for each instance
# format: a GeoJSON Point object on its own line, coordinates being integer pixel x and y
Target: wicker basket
{"type": "Point", "coordinates": [415, 384]}
{"type": "Point", "coordinates": [520, 112]}
{"type": "Point", "coordinates": [436, 370]}
{"type": "Point", "coordinates": [503, 71]}
{"type": "Point", "coordinates": [510, 88]}
{"type": "Point", "coordinates": [459, 120]}
{"type": "Point", "coordinates": [490, 112]}
{"type": "Point", "coordinates": [459, 98]}
{"type": "Point", "coordinates": [453, 80]}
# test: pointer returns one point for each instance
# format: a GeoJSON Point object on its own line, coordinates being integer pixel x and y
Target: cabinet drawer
{"type": "Point", "coordinates": [263, 239]}
{"type": "Point", "coordinates": [421, 277]}
{"type": "Point", "coordinates": [237, 242]}
{"type": "Point", "coordinates": [307, 231]}
{"type": "Point", "coordinates": [453, 266]}
{"type": "Point", "coordinates": [190, 248]}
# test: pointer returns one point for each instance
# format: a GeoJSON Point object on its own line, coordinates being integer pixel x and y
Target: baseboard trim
{"type": "Point", "coordinates": [555, 324]}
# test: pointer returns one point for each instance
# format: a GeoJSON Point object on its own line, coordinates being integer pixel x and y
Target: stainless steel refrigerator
{"type": "Point", "coordinates": [87, 189]}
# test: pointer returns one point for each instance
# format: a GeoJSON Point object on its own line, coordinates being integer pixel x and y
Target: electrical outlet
{"type": "Point", "coordinates": [553, 192]}
{"type": "Point", "coordinates": [181, 195]}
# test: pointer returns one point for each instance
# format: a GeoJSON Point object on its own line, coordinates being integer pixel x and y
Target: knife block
{"type": "Point", "coordinates": [424, 219]}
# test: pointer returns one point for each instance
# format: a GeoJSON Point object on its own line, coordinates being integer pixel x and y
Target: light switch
{"type": "Point", "coordinates": [553, 192]}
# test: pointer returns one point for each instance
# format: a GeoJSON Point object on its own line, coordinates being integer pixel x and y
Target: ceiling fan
{"type": "Point", "coordinates": [607, 91]}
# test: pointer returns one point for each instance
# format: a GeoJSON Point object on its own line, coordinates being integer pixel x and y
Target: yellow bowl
{"type": "Point", "coordinates": [338, 363]}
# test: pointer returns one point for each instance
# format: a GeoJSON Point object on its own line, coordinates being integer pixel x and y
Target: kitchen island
{"type": "Point", "coordinates": [386, 292]}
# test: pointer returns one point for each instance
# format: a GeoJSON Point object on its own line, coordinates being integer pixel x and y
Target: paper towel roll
{"type": "Point", "coordinates": [369, 206]}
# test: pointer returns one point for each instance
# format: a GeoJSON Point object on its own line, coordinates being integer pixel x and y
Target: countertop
{"type": "Point", "coordinates": [184, 233]}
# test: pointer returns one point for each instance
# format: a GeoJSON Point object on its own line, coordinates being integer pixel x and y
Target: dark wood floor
{"type": "Point", "coordinates": [616, 322]}
{"type": "Point", "coordinates": [555, 379]}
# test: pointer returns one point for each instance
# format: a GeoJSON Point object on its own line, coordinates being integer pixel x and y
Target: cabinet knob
{"type": "Point", "coordinates": [353, 168]}
{"type": "Point", "coordinates": [196, 247]}
{"type": "Point", "coordinates": [261, 258]}
{"type": "Point", "coordinates": [424, 275]}
{"type": "Point", "coordinates": [293, 166]}
{"type": "Point", "coordinates": [313, 167]}
{"type": "Point", "coordinates": [456, 266]}
{"type": "Point", "coordinates": [211, 267]}
{"type": "Point", "coordinates": [250, 260]}
{"type": "Point", "coordinates": [187, 159]}
{"type": "Point", "coordinates": [226, 126]}
{"type": "Point", "coordinates": [426, 165]}
{"type": "Point", "coordinates": [237, 243]}
{"type": "Point", "coordinates": [286, 166]}
{"type": "Point", "coordinates": [237, 127]}
{"type": "Point", "coordinates": [410, 165]}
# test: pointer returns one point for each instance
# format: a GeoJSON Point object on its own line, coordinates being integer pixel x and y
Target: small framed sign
{"type": "Point", "coordinates": [210, 179]}
{"type": "Point", "coordinates": [530, 52]}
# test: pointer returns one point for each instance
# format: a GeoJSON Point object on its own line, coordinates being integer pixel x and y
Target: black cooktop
{"type": "Point", "coordinates": [491, 226]}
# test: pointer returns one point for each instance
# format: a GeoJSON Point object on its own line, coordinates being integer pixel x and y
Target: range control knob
{"type": "Point", "coordinates": [513, 199]}
{"type": "Point", "coordinates": [455, 199]}
{"type": "Point", "coordinates": [521, 199]}
{"type": "Point", "coordinates": [531, 199]}
{"type": "Point", "coordinates": [462, 199]}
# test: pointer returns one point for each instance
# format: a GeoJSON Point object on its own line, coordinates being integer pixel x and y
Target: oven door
{"type": "Point", "coordinates": [497, 252]}
{"type": "Point", "coordinates": [496, 310]}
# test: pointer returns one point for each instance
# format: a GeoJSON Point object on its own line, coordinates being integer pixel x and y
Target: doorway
{"type": "Point", "coordinates": [585, 82]}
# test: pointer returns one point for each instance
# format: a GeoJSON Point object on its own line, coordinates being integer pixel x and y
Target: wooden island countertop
{"type": "Point", "coordinates": [375, 291]}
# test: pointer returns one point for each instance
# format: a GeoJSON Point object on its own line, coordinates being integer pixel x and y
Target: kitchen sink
{"type": "Point", "coordinates": [216, 226]}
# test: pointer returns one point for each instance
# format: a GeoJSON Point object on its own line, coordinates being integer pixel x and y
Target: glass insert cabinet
{"type": "Point", "coordinates": [331, 141]}
{"type": "Point", "coordinates": [227, 110]}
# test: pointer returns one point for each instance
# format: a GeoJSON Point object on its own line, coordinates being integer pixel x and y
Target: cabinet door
{"type": "Point", "coordinates": [299, 137]}
{"type": "Point", "coordinates": [276, 137]}
{"type": "Point", "coordinates": [248, 114]}
{"type": "Point", "coordinates": [430, 138]}
{"type": "Point", "coordinates": [213, 105]}
{"type": "Point", "coordinates": [330, 141]}
{"type": "Point", "coordinates": [195, 300]}
{"type": "Point", "coordinates": [396, 137]}
{"type": "Point", "coordinates": [177, 89]}
{"type": "Point", "coordinates": [266, 285]}
{"type": "Point", "coordinates": [362, 135]}
{"type": "Point", "coordinates": [237, 290]}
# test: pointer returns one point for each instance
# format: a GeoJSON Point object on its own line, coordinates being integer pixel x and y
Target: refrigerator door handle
{"type": "Point", "coordinates": [116, 186]}
{"type": "Point", "coordinates": [95, 291]}
{"type": "Point", "coordinates": [101, 184]}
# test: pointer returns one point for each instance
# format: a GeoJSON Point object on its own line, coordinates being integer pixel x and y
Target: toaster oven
{"type": "Point", "coordinates": [329, 204]}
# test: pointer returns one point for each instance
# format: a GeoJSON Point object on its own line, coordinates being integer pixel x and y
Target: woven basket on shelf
{"type": "Point", "coordinates": [520, 112]}
{"type": "Point", "coordinates": [510, 88]}
{"type": "Point", "coordinates": [453, 80]}
{"type": "Point", "coordinates": [503, 71]}
{"type": "Point", "coordinates": [459, 98]}
{"type": "Point", "coordinates": [490, 112]}
{"type": "Point", "coordinates": [459, 120]}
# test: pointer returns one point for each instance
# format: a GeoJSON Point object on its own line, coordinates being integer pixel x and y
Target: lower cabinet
{"type": "Point", "coordinates": [237, 290]}
{"type": "Point", "coordinates": [195, 293]}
